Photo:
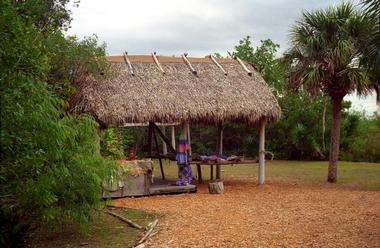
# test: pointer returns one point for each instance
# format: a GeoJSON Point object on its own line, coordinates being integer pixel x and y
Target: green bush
{"type": "Point", "coordinates": [50, 168]}
{"type": "Point", "coordinates": [110, 145]}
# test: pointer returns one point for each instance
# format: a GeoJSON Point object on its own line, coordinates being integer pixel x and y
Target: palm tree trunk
{"type": "Point", "coordinates": [324, 126]}
{"type": "Point", "coordinates": [335, 139]}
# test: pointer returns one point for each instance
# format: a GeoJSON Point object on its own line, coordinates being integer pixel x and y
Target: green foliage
{"type": "Point", "coordinates": [360, 138]}
{"type": "Point", "coordinates": [371, 43]}
{"type": "Point", "coordinates": [298, 134]}
{"type": "Point", "coordinates": [110, 144]}
{"type": "Point", "coordinates": [325, 50]}
{"type": "Point", "coordinates": [72, 61]}
{"type": "Point", "coordinates": [50, 168]}
{"type": "Point", "coordinates": [264, 58]}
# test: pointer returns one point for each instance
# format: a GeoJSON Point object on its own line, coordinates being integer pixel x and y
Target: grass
{"type": "Point", "coordinates": [354, 174]}
{"type": "Point", "coordinates": [105, 232]}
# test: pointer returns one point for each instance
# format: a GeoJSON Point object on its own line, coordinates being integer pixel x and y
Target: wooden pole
{"type": "Point", "coordinates": [220, 139]}
{"type": "Point", "coordinates": [157, 63]}
{"type": "Point", "coordinates": [164, 147]}
{"type": "Point", "coordinates": [188, 137]}
{"type": "Point", "coordinates": [219, 151]}
{"type": "Point", "coordinates": [128, 63]}
{"type": "Point", "coordinates": [184, 57]}
{"type": "Point", "coordinates": [150, 134]}
{"type": "Point", "coordinates": [172, 130]}
{"type": "Point", "coordinates": [262, 153]}
{"type": "Point", "coordinates": [218, 65]}
{"type": "Point", "coordinates": [158, 154]}
{"type": "Point", "coordinates": [244, 66]}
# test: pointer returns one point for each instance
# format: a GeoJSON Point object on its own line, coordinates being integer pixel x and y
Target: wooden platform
{"type": "Point", "coordinates": [159, 190]}
{"type": "Point", "coordinates": [168, 187]}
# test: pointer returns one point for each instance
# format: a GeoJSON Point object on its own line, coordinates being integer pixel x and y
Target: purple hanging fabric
{"type": "Point", "coordinates": [185, 173]}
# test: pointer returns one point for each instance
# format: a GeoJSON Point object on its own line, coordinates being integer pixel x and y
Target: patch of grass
{"type": "Point", "coordinates": [361, 175]}
{"type": "Point", "coordinates": [105, 231]}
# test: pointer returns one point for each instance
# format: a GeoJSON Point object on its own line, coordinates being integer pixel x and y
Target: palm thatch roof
{"type": "Point", "coordinates": [199, 91]}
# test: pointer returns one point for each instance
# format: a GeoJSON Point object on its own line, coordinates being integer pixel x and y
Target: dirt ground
{"type": "Point", "coordinates": [278, 214]}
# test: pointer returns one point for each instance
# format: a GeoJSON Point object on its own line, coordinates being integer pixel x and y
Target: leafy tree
{"type": "Point", "coordinates": [323, 57]}
{"type": "Point", "coordinates": [371, 46]}
{"type": "Point", "coordinates": [72, 60]}
{"type": "Point", "coordinates": [264, 59]}
{"type": "Point", "coordinates": [110, 144]}
{"type": "Point", "coordinates": [50, 169]}
{"type": "Point", "coordinates": [360, 137]}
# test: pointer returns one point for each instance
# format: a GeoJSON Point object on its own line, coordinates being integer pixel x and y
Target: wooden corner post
{"type": "Point", "coordinates": [219, 151]}
{"type": "Point", "coordinates": [262, 153]}
{"type": "Point", "coordinates": [172, 132]}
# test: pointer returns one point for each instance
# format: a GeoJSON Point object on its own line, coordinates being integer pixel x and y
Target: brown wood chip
{"type": "Point", "coordinates": [278, 214]}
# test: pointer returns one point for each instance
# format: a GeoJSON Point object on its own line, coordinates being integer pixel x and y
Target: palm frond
{"type": "Point", "coordinates": [326, 45]}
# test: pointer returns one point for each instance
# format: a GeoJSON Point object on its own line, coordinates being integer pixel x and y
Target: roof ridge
{"type": "Point", "coordinates": [145, 58]}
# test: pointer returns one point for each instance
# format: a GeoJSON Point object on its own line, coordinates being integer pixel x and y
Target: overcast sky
{"type": "Point", "coordinates": [198, 27]}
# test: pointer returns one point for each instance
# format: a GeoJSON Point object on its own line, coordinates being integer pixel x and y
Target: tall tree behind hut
{"type": "Point", "coordinates": [371, 47]}
{"type": "Point", "coordinates": [324, 54]}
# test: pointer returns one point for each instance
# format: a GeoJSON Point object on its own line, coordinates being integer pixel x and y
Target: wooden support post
{"type": "Point", "coordinates": [199, 171]}
{"type": "Point", "coordinates": [244, 67]}
{"type": "Point", "coordinates": [219, 151]}
{"type": "Point", "coordinates": [164, 147]}
{"type": "Point", "coordinates": [262, 153]}
{"type": "Point", "coordinates": [188, 137]}
{"type": "Point", "coordinates": [172, 130]}
{"type": "Point", "coordinates": [158, 154]}
{"type": "Point", "coordinates": [220, 139]}
{"type": "Point", "coordinates": [218, 170]}
{"type": "Point", "coordinates": [150, 133]}
{"type": "Point", "coordinates": [211, 172]}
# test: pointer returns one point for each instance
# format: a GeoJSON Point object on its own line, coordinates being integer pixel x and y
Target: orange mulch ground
{"type": "Point", "coordinates": [278, 214]}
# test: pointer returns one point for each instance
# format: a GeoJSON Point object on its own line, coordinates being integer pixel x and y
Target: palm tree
{"type": "Point", "coordinates": [371, 47]}
{"type": "Point", "coordinates": [324, 57]}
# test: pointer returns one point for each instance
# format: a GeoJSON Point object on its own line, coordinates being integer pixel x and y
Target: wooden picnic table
{"type": "Point", "coordinates": [217, 162]}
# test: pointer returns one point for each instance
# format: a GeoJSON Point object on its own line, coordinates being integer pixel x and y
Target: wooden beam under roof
{"type": "Point", "coordinates": [244, 66]}
{"type": "Point", "coordinates": [184, 56]}
{"type": "Point", "coordinates": [157, 62]}
{"type": "Point", "coordinates": [218, 65]}
{"type": "Point", "coordinates": [128, 63]}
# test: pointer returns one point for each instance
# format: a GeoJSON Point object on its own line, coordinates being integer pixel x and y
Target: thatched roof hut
{"type": "Point", "coordinates": [169, 89]}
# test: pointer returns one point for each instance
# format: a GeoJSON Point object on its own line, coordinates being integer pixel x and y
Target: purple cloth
{"type": "Point", "coordinates": [185, 173]}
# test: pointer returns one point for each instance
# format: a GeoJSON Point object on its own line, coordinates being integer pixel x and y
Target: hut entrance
{"type": "Point", "coordinates": [214, 161]}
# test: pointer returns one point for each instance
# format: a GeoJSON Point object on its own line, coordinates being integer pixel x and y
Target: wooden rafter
{"type": "Point", "coordinates": [157, 62]}
{"type": "Point", "coordinates": [218, 65]}
{"type": "Point", "coordinates": [244, 66]}
{"type": "Point", "coordinates": [128, 63]}
{"type": "Point", "coordinates": [184, 56]}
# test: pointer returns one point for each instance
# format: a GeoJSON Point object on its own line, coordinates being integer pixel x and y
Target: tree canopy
{"type": "Point", "coordinates": [50, 166]}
